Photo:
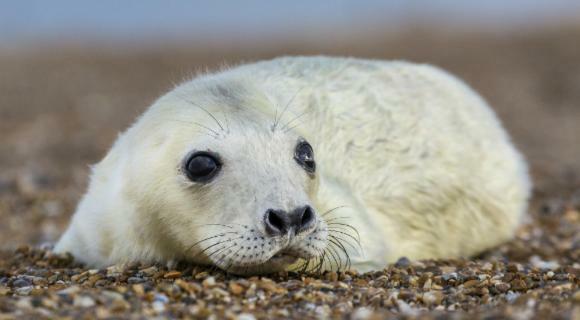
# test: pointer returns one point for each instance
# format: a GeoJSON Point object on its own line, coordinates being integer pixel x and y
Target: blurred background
{"type": "Point", "coordinates": [73, 74]}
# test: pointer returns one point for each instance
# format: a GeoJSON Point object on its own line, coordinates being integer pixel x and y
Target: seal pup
{"type": "Point", "coordinates": [313, 163]}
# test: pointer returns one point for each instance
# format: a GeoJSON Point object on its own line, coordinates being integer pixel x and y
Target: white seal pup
{"type": "Point", "coordinates": [305, 162]}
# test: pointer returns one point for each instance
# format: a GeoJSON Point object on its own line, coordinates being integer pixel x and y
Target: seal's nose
{"type": "Point", "coordinates": [279, 222]}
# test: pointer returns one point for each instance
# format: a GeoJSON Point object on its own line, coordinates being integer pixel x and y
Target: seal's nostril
{"type": "Point", "coordinates": [275, 222]}
{"type": "Point", "coordinates": [278, 222]}
{"type": "Point", "coordinates": [307, 217]}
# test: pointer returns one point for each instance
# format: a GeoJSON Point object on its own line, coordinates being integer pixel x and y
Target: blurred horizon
{"type": "Point", "coordinates": [154, 23]}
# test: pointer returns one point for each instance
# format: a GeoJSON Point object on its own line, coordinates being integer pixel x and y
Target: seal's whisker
{"type": "Point", "coordinates": [318, 258]}
{"type": "Point", "coordinates": [215, 244]}
{"type": "Point", "coordinates": [208, 133]}
{"type": "Point", "coordinates": [305, 265]}
{"type": "Point", "coordinates": [339, 245]}
{"type": "Point", "coordinates": [286, 127]}
{"type": "Point", "coordinates": [234, 254]}
{"type": "Point", "coordinates": [346, 254]}
{"type": "Point", "coordinates": [346, 234]}
{"type": "Point", "coordinates": [277, 120]}
{"type": "Point", "coordinates": [339, 227]}
{"type": "Point", "coordinates": [331, 252]}
{"type": "Point", "coordinates": [346, 241]}
{"type": "Point", "coordinates": [331, 210]}
{"type": "Point", "coordinates": [337, 218]}
{"type": "Point", "coordinates": [215, 224]}
{"type": "Point", "coordinates": [210, 246]}
{"type": "Point", "coordinates": [320, 265]}
{"type": "Point", "coordinates": [220, 250]}
{"type": "Point", "coordinates": [335, 247]}
{"type": "Point", "coordinates": [227, 121]}
{"type": "Point", "coordinates": [202, 108]}
{"type": "Point", "coordinates": [339, 241]}
{"type": "Point", "coordinates": [215, 133]}
{"type": "Point", "coordinates": [219, 262]}
{"type": "Point", "coordinates": [345, 225]}
{"type": "Point", "coordinates": [211, 237]}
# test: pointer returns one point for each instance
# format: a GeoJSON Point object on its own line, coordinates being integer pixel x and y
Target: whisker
{"type": "Point", "coordinates": [331, 210]}
{"type": "Point", "coordinates": [231, 264]}
{"type": "Point", "coordinates": [209, 238]}
{"type": "Point", "coordinates": [305, 266]}
{"type": "Point", "coordinates": [341, 247]}
{"type": "Point", "coordinates": [227, 121]}
{"type": "Point", "coordinates": [215, 224]}
{"type": "Point", "coordinates": [202, 108]}
{"type": "Point", "coordinates": [346, 234]}
{"type": "Point", "coordinates": [340, 241]}
{"type": "Point", "coordinates": [346, 226]}
{"type": "Point", "coordinates": [294, 119]}
{"type": "Point", "coordinates": [220, 250]}
{"type": "Point", "coordinates": [277, 120]}
{"type": "Point", "coordinates": [215, 133]}
{"type": "Point", "coordinates": [321, 264]}
{"type": "Point", "coordinates": [337, 218]}
{"type": "Point", "coordinates": [217, 263]}
{"type": "Point", "coordinates": [292, 127]}
{"type": "Point", "coordinates": [353, 246]}
{"type": "Point", "coordinates": [215, 244]}
{"type": "Point", "coordinates": [331, 251]}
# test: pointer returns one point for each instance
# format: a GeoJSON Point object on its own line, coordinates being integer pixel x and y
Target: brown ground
{"type": "Point", "coordinates": [62, 107]}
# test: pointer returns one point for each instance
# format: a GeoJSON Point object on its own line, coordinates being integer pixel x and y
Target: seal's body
{"type": "Point", "coordinates": [258, 167]}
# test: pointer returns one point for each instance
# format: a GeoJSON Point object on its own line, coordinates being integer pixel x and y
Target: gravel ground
{"type": "Point", "coordinates": [62, 107]}
{"type": "Point", "coordinates": [535, 276]}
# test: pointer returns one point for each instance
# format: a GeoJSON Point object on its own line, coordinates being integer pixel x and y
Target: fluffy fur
{"type": "Point", "coordinates": [406, 154]}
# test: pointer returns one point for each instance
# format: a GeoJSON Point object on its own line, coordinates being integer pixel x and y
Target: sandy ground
{"type": "Point", "coordinates": [62, 107]}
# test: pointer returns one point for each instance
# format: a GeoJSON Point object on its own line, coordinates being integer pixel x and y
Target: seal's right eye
{"type": "Point", "coordinates": [202, 166]}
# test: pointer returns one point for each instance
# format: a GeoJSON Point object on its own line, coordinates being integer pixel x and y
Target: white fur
{"type": "Point", "coordinates": [419, 162]}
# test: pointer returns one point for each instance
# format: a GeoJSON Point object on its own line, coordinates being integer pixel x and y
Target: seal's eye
{"type": "Point", "coordinates": [305, 156]}
{"type": "Point", "coordinates": [202, 166]}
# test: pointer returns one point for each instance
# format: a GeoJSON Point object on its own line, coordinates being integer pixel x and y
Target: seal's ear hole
{"type": "Point", "coordinates": [304, 155]}
{"type": "Point", "coordinates": [202, 166]}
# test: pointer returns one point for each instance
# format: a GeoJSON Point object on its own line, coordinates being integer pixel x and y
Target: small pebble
{"type": "Point", "coordinates": [172, 275]}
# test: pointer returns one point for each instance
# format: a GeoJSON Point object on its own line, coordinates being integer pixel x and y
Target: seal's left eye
{"type": "Point", "coordinates": [202, 166]}
{"type": "Point", "coordinates": [304, 155]}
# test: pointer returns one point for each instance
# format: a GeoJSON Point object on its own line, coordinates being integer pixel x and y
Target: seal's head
{"type": "Point", "coordinates": [219, 181]}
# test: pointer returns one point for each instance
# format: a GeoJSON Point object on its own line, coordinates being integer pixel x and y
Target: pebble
{"type": "Point", "coordinates": [209, 282]}
{"type": "Point", "coordinates": [403, 262]}
{"type": "Point", "coordinates": [38, 283]}
{"type": "Point", "coordinates": [541, 264]}
{"type": "Point", "coordinates": [161, 298]}
{"type": "Point", "coordinates": [21, 283]}
{"type": "Point", "coordinates": [149, 272]}
{"type": "Point", "coordinates": [24, 291]}
{"type": "Point", "coordinates": [236, 289]}
{"type": "Point", "coordinates": [84, 302]}
{"type": "Point", "coordinates": [246, 316]}
{"type": "Point", "coordinates": [470, 283]}
{"type": "Point", "coordinates": [24, 303]}
{"type": "Point", "coordinates": [432, 298]}
{"type": "Point", "coordinates": [362, 313]}
{"type": "Point", "coordinates": [69, 291]}
{"type": "Point", "coordinates": [172, 275]}
{"type": "Point", "coordinates": [134, 280]}
{"type": "Point", "coordinates": [158, 306]}
{"type": "Point", "coordinates": [449, 276]}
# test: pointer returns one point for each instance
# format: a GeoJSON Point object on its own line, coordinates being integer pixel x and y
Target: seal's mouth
{"type": "Point", "coordinates": [245, 250]}
{"type": "Point", "coordinates": [283, 258]}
